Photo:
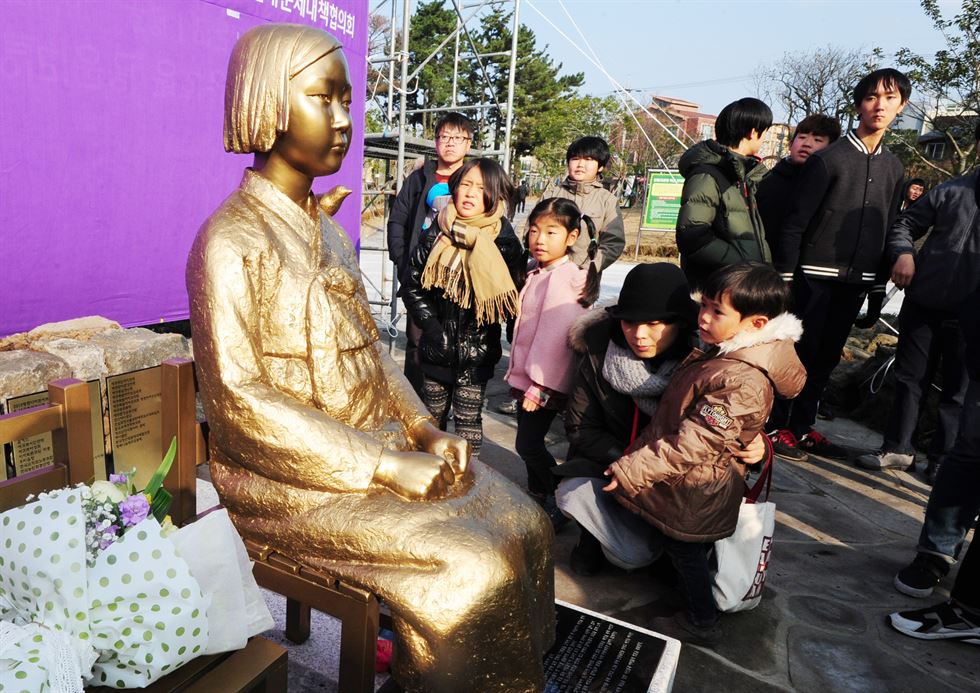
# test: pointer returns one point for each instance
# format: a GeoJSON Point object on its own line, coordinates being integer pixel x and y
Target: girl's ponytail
{"type": "Point", "coordinates": [591, 291]}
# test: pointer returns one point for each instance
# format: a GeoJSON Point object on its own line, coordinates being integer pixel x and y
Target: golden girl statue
{"type": "Point", "coordinates": [319, 446]}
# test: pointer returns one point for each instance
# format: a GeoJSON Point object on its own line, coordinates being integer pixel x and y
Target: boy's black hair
{"type": "Point", "coordinates": [818, 124]}
{"type": "Point", "coordinates": [455, 120]}
{"type": "Point", "coordinates": [567, 214]}
{"type": "Point", "coordinates": [738, 119]}
{"type": "Point", "coordinates": [888, 77]}
{"type": "Point", "coordinates": [753, 288]}
{"type": "Point", "coordinates": [496, 183]}
{"type": "Point", "coordinates": [589, 148]}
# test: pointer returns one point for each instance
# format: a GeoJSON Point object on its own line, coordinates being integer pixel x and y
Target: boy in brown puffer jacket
{"type": "Point", "coordinates": [680, 474]}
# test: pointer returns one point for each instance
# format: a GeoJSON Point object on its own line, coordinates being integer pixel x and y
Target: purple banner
{"type": "Point", "coordinates": [112, 151]}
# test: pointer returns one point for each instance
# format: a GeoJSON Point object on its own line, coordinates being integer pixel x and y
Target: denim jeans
{"type": "Point", "coordinates": [955, 497]}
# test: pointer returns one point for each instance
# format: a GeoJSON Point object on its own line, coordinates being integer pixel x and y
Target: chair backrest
{"type": "Point", "coordinates": [67, 417]}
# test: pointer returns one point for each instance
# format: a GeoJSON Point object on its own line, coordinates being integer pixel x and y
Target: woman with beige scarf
{"type": "Point", "coordinates": [459, 285]}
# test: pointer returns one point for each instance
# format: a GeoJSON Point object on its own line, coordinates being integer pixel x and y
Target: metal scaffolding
{"type": "Point", "coordinates": [392, 145]}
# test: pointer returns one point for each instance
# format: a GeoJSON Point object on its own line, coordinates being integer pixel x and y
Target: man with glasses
{"type": "Point", "coordinates": [423, 194]}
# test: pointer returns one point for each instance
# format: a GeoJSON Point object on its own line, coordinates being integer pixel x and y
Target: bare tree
{"type": "Point", "coordinates": [947, 86]}
{"type": "Point", "coordinates": [813, 81]}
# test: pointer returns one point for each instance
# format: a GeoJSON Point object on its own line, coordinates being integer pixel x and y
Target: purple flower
{"type": "Point", "coordinates": [134, 509]}
{"type": "Point", "coordinates": [118, 479]}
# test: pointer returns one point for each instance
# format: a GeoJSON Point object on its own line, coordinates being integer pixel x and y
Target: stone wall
{"type": "Point", "coordinates": [87, 348]}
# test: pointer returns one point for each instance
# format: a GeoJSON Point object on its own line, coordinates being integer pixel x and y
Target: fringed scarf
{"type": "Point", "coordinates": [628, 374]}
{"type": "Point", "coordinates": [466, 264]}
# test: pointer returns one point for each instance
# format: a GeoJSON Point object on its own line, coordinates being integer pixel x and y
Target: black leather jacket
{"type": "Point", "coordinates": [453, 349]}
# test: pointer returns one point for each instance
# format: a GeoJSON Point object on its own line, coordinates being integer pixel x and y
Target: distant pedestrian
{"type": "Point", "coordinates": [522, 191]}
{"type": "Point", "coordinates": [556, 292]}
{"type": "Point", "coordinates": [719, 222]}
{"type": "Point", "coordinates": [777, 189]}
{"type": "Point", "coordinates": [914, 189]}
{"type": "Point", "coordinates": [831, 248]}
{"type": "Point", "coordinates": [952, 511]}
{"type": "Point", "coordinates": [938, 279]}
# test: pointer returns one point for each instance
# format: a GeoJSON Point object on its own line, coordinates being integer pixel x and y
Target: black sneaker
{"type": "Point", "coordinates": [920, 577]}
{"type": "Point", "coordinates": [681, 627]}
{"type": "Point", "coordinates": [786, 445]}
{"type": "Point", "coordinates": [587, 558]}
{"type": "Point", "coordinates": [509, 407]}
{"type": "Point", "coordinates": [940, 622]}
{"type": "Point", "coordinates": [815, 444]}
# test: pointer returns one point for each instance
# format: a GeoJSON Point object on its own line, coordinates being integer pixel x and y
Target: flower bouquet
{"type": "Point", "coordinates": [97, 586]}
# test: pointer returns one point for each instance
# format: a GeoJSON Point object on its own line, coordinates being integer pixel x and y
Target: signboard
{"type": "Point", "coordinates": [135, 422]}
{"type": "Point", "coordinates": [37, 451]}
{"type": "Point", "coordinates": [663, 200]}
{"type": "Point", "coordinates": [597, 654]}
{"type": "Point", "coordinates": [132, 90]}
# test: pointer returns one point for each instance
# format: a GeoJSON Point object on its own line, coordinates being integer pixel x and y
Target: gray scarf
{"type": "Point", "coordinates": [628, 374]}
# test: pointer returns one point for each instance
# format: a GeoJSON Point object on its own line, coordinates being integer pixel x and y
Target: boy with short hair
{"type": "Point", "coordinates": [778, 187]}
{"type": "Point", "coordinates": [423, 194]}
{"type": "Point", "coordinates": [586, 158]}
{"type": "Point", "coordinates": [680, 474]}
{"type": "Point", "coordinates": [831, 247]}
{"type": "Point", "coordinates": [719, 223]}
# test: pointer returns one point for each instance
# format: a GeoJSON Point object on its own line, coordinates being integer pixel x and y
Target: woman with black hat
{"type": "Point", "coordinates": [627, 353]}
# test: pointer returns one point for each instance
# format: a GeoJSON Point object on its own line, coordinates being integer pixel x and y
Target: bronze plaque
{"type": "Point", "coordinates": [34, 452]}
{"type": "Point", "coordinates": [98, 429]}
{"type": "Point", "coordinates": [135, 423]}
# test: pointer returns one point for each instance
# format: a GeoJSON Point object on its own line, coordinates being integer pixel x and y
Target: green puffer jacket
{"type": "Point", "coordinates": [719, 224]}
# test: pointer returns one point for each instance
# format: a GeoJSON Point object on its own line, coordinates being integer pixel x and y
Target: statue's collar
{"type": "Point", "coordinates": [266, 191]}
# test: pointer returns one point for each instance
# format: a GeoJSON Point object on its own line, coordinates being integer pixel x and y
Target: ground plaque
{"type": "Point", "coordinates": [37, 451]}
{"type": "Point", "coordinates": [135, 422]}
{"type": "Point", "coordinates": [595, 653]}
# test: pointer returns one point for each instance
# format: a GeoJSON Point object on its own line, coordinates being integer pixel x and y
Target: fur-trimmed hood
{"type": "Point", "coordinates": [578, 332]}
{"type": "Point", "coordinates": [771, 350]}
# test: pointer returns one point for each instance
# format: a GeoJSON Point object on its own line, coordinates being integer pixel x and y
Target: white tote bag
{"type": "Point", "coordinates": [744, 557]}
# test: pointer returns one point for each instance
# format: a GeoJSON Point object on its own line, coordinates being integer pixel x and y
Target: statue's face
{"type": "Point", "coordinates": [319, 129]}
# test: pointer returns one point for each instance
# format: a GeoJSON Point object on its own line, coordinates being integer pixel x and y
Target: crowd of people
{"type": "Point", "coordinates": [669, 403]}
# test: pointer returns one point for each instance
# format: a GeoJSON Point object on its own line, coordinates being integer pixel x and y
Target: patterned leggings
{"type": "Point", "coordinates": [467, 408]}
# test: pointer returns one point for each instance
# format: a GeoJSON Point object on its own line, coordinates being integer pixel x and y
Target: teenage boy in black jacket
{"type": "Point", "coordinates": [416, 206]}
{"type": "Point", "coordinates": [831, 247]}
{"type": "Point", "coordinates": [776, 190]}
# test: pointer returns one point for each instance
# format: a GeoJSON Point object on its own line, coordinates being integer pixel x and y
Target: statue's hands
{"type": "Point", "coordinates": [414, 475]}
{"type": "Point", "coordinates": [451, 448]}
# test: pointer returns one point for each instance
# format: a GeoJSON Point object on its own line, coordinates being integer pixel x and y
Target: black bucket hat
{"type": "Point", "coordinates": [652, 292]}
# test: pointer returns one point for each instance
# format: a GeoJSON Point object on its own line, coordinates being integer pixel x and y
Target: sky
{"type": "Point", "coordinates": [706, 51]}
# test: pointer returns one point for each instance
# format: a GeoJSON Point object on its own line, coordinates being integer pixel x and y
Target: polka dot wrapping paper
{"type": "Point", "coordinates": [125, 621]}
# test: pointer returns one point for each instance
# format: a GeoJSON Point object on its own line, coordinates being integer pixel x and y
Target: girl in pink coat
{"type": "Point", "coordinates": [557, 291]}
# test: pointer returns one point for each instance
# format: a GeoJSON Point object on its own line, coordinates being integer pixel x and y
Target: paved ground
{"type": "Point", "coordinates": [841, 535]}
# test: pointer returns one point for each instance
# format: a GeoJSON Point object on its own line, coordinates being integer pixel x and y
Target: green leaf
{"type": "Point", "coordinates": [161, 504]}
{"type": "Point", "coordinates": [156, 481]}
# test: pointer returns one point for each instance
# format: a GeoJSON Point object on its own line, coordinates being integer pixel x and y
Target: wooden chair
{"type": "Point", "coordinates": [260, 666]}
{"type": "Point", "coordinates": [303, 587]}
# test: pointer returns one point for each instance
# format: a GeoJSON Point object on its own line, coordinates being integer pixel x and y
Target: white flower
{"type": "Point", "coordinates": [103, 490]}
